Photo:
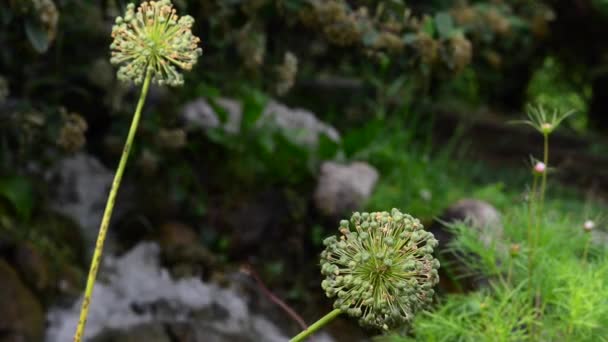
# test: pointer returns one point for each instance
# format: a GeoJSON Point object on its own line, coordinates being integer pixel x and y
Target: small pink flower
{"type": "Point", "coordinates": [540, 167]}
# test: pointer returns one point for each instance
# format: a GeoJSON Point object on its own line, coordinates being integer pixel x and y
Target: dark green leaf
{"type": "Point", "coordinates": [253, 105]}
{"type": "Point", "coordinates": [19, 193]}
{"type": "Point", "coordinates": [428, 26]}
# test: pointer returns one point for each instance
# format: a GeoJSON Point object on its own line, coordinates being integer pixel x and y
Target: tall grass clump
{"type": "Point", "coordinates": [547, 279]}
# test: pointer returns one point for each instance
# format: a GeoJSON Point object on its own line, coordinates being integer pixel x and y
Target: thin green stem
{"type": "Point", "coordinates": [543, 185]}
{"type": "Point", "coordinates": [316, 326]}
{"type": "Point", "coordinates": [510, 271]}
{"type": "Point", "coordinates": [586, 250]}
{"type": "Point", "coordinates": [536, 299]}
{"type": "Point", "coordinates": [531, 224]}
{"type": "Point", "coordinates": [107, 214]}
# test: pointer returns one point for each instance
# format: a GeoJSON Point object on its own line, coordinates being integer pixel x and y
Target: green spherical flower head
{"type": "Point", "coordinates": [381, 269]}
{"type": "Point", "coordinates": [154, 37]}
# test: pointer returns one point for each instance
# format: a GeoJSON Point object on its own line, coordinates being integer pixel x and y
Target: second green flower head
{"type": "Point", "coordinates": [381, 268]}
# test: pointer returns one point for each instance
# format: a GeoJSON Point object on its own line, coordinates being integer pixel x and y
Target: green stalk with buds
{"type": "Point", "coordinates": [381, 270]}
{"type": "Point", "coordinates": [150, 45]}
{"type": "Point", "coordinates": [545, 123]}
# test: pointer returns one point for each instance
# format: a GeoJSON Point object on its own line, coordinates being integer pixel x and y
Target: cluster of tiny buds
{"type": "Point", "coordinates": [381, 269]}
{"type": "Point", "coordinates": [154, 38]}
{"type": "Point", "coordinates": [588, 226]}
{"type": "Point", "coordinates": [72, 134]}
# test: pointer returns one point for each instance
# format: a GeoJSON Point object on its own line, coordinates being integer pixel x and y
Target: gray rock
{"type": "Point", "coordinates": [342, 189]}
{"type": "Point", "coordinates": [200, 114]}
{"type": "Point", "coordinates": [300, 125]}
{"type": "Point", "coordinates": [81, 185]}
{"type": "Point", "coordinates": [479, 215]}
{"type": "Point", "coordinates": [147, 332]}
{"type": "Point", "coordinates": [134, 290]}
{"type": "Point", "coordinates": [486, 221]}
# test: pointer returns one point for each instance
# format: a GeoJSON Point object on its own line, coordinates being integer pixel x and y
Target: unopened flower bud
{"type": "Point", "coordinates": [588, 225]}
{"type": "Point", "coordinates": [546, 128]}
{"type": "Point", "coordinates": [515, 249]}
{"type": "Point", "coordinates": [540, 168]}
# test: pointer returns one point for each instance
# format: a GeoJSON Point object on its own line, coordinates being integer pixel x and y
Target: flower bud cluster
{"type": "Point", "coordinates": [287, 73]}
{"type": "Point", "coordinates": [381, 269]}
{"type": "Point", "coordinates": [461, 52]}
{"type": "Point", "coordinates": [341, 25]}
{"type": "Point", "coordinates": [72, 134]}
{"type": "Point", "coordinates": [154, 37]}
{"type": "Point", "coordinates": [251, 45]}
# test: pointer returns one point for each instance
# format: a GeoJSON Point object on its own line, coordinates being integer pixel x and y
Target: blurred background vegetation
{"type": "Point", "coordinates": [236, 161]}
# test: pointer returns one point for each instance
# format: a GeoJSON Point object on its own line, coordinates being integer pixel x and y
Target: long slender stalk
{"type": "Point", "coordinates": [107, 214]}
{"type": "Point", "coordinates": [586, 250]}
{"type": "Point", "coordinates": [543, 185]}
{"type": "Point", "coordinates": [510, 270]}
{"type": "Point", "coordinates": [531, 226]}
{"type": "Point", "coordinates": [539, 214]}
{"type": "Point", "coordinates": [543, 189]}
{"type": "Point", "coordinates": [316, 326]}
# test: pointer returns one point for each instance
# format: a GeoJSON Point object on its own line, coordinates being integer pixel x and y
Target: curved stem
{"type": "Point", "coordinates": [107, 214]}
{"type": "Point", "coordinates": [316, 326]}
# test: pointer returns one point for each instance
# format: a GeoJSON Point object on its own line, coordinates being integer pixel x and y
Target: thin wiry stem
{"type": "Point", "coordinates": [107, 214]}
{"type": "Point", "coordinates": [288, 310]}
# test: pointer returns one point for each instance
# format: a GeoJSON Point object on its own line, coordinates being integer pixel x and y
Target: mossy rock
{"type": "Point", "coordinates": [148, 332]}
{"type": "Point", "coordinates": [22, 315]}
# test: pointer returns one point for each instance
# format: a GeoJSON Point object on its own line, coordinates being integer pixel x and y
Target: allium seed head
{"type": "Point", "coordinates": [154, 37]}
{"type": "Point", "coordinates": [381, 269]}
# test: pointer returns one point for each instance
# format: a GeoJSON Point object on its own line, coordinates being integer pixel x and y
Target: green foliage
{"type": "Point", "coordinates": [500, 314]}
{"type": "Point", "coordinates": [573, 291]}
{"type": "Point", "coordinates": [551, 85]}
{"type": "Point", "coordinates": [264, 151]}
{"type": "Point", "coordinates": [20, 194]}
{"type": "Point", "coordinates": [414, 176]}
